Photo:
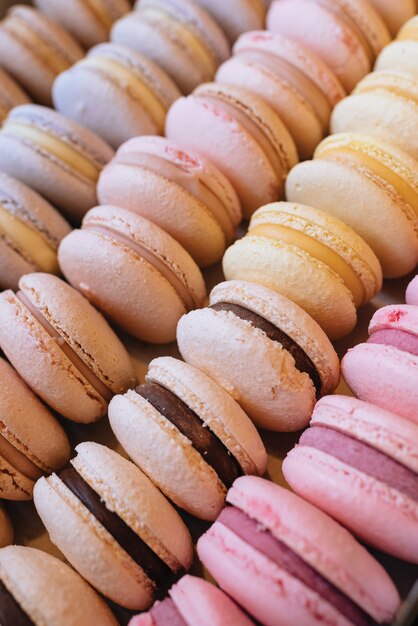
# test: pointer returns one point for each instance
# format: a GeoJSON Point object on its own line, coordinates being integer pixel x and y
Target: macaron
{"type": "Point", "coordinates": [359, 464]}
{"type": "Point", "coordinates": [370, 185]}
{"type": "Point", "coordinates": [384, 370]}
{"type": "Point", "coordinates": [366, 110]}
{"type": "Point", "coordinates": [6, 529]}
{"type": "Point", "coordinates": [30, 231]}
{"type": "Point", "coordinates": [296, 84]}
{"type": "Point", "coordinates": [133, 272]}
{"type": "Point", "coordinates": [113, 78]}
{"type": "Point", "coordinates": [188, 435]}
{"type": "Point", "coordinates": [235, 16]}
{"type": "Point", "coordinates": [34, 50]}
{"type": "Point", "coordinates": [179, 35]}
{"type": "Point", "coordinates": [193, 602]}
{"type": "Point", "coordinates": [396, 13]}
{"type": "Point", "coordinates": [11, 94]}
{"type": "Point", "coordinates": [62, 347]}
{"type": "Point", "coordinates": [37, 589]}
{"type": "Point", "coordinates": [310, 257]}
{"type": "Point", "coordinates": [32, 442]}
{"type": "Point", "coordinates": [88, 21]}
{"type": "Point", "coordinates": [55, 156]}
{"type": "Point", "coordinates": [131, 543]}
{"type": "Point", "coordinates": [286, 562]}
{"type": "Point", "coordinates": [402, 54]}
{"type": "Point", "coordinates": [333, 31]}
{"type": "Point", "coordinates": [177, 189]}
{"type": "Point", "coordinates": [241, 135]}
{"type": "Point", "coordinates": [263, 349]}
{"type": "Point", "coordinates": [411, 295]}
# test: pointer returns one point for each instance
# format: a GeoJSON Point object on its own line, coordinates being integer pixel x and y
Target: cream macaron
{"type": "Point", "coordinates": [310, 257]}
{"type": "Point", "coordinates": [370, 185]}
{"type": "Point", "coordinates": [402, 54]}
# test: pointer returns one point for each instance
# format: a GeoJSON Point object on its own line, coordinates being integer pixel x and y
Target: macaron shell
{"type": "Point", "coordinates": [6, 529]}
{"type": "Point", "coordinates": [294, 273]}
{"type": "Point", "coordinates": [273, 393]}
{"type": "Point", "coordinates": [11, 94]}
{"type": "Point", "coordinates": [236, 16]}
{"type": "Point", "coordinates": [399, 55]}
{"type": "Point", "coordinates": [401, 317]}
{"type": "Point", "coordinates": [49, 591]}
{"type": "Point", "coordinates": [77, 17]}
{"type": "Point", "coordinates": [166, 456]}
{"type": "Point", "coordinates": [369, 22]}
{"type": "Point", "coordinates": [411, 295]}
{"type": "Point", "coordinates": [395, 13]}
{"type": "Point", "coordinates": [13, 266]}
{"type": "Point", "coordinates": [360, 502]}
{"type": "Point", "coordinates": [391, 229]}
{"type": "Point", "coordinates": [91, 96]}
{"type": "Point", "coordinates": [384, 376]}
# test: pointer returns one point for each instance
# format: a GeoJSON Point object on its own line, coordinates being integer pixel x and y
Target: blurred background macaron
{"type": "Point", "coordinates": [111, 79]}
{"type": "Point", "coordinates": [235, 16]}
{"type": "Point", "coordinates": [6, 529]}
{"type": "Point", "coordinates": [396, 13]}
{"type": "Point", "coordinates": [411, 295]}
{"type": "Point", "coordinates": [188, 435]}
{"type": "Point", "coordinates": [11, 94]}
{"type": "Point", "coordinates": [194, 602]}
{"type": "Point", "coordinates": [62, 347]}
{"type": "Point", "coordinates": [384, 105]}
{"type": "Point", "coordinates": [157, 280]}
{"type": "Point", "coordinates": [370, 185]}
{"type": "Point", "coordinates": [30, 231]}
{"type": "Point", "coordinates": [241, 135]}
{"type": "Point", "coordinates": [402, 54]}
{"type": "Point", "coordinates": [263, 349]}
{"type": "Point", "coordinates": [37, 588]}
{"type": "Point", "coordinates": [34, 50]}
{"type": "Point", "coordinates": [131, 544]}
{"type": "Point", "coordinates": [179, 35]}
{"type": "Point", "coordinates": [177, 189]}
{"type": "Point", "coordinates": [57, 157]}
{"type": "Point", "coordinates": [89, 22]}
{"type": "Point", "coordinates": [286, 562]}
{"type": "Point", "coordinates": [310, 257]}
{"type": "Point", "coordinates": [32, 443]}
{"type": "Point", "coordinates": [296, 84]}
{"type": "Point", "coordinates": [358, 463]}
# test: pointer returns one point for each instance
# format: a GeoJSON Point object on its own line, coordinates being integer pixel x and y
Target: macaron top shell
{"type": "Point", "coordinates": [288, 317]}
{"type": "Point", "coordinates": [409, 30]}
{"type": "Point", "coordinates": [215, 407]}
{"type": "Point", "coordinates": [325, 545]}
{"type": "Point", "coordinates": [411, 295]}
{"type": "Point", "coordinates": [236, 16]}
{"type": "Point", "coordinates": [48, 591]}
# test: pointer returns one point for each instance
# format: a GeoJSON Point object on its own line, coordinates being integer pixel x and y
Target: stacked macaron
{"type": "Point", "coordinates": [402, 54]}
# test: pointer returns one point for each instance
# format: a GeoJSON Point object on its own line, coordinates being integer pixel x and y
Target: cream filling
{"type": "Point", "coordinates": [98, 7]}
{"type": "Point", "coordinates": [30, 241]}
{"type": "Point", "coordinates": [391, 84]}
{"type": "Point", "coordinates": [104, 391]}
{"type": "Point", "coordinates": [203, 57]}
{"type": "Point", "coordinates": [252, 128]}
{"type": "Point", "coordinates": [319, 251]}
{"type": "Point", "coordinates": [54, 59]}
{"type": "Point", "coordinates": [149, 256]}
{"type": "Point", "coordinates": [18, 460]}
{"type": "Point", "coordinates": [196, 184]}
{"type": "Point", "coordinates": [127, 79]}
{"type": "Point", "coordinates": [52, 144]}
{"type": "Point", "coordinates": [297, 79]}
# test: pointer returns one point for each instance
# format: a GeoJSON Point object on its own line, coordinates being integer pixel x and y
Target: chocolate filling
{"type": "Point", "coordinates": [302, 361]}
{"type": "Point", "coordinates": [363, 457]}
{"type": "Point", "coordinates": [191, 426]}
{"type": "Point", "coordinates": [165, 613]}
{"type": "Point", "coordinates": [138, 550]}
{"type": "Point", "coordinates": [275, 550]}
{"type": "Point", "coordinates": [11, 613]}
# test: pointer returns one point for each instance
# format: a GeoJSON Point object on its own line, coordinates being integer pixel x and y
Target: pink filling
{"type": "Point", "coordinates": [165, 613]}
{"type": "Point", "coordinates": [400, 339]}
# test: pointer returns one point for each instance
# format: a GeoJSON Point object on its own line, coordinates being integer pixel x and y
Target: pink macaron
{"type": "Point", "coordinates": [193, 602]}
{"type": "Point", "coordinates": [111, 79]}
{"type": "Point", "coordinates": [235, 16]}
{"type": "Point", "coordinates": [62, 347]}
{"type": "Point", "coordinates": [57, 157]}
{"type": "Point", "coordinates": [385, 369]}
{"type": "Point", "coordinates": [294, 81]}
{"type": "Point", "coordinates": [411, 295]}
{"type": "Point", "coordinates": [130, 542]}
{"type": "Point", "coordinates": [177, 189]}
{"type": "Point", "coordinates": [188, 435]}
{"type": "Point", "coordinates": [359, 463]}
{"type": "Point", "coordinates": [157, 280]}
{"type": "Point", "coordinates": [241, 135]}
{"type": "Point", "coordinates": [266, 351]}
{"type": "Point", "coordinates": [286, 562]}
